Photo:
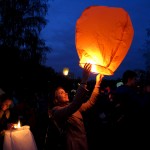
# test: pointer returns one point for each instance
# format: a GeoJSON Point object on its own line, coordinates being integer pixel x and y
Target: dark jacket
{"type": "Point", "coordinates": [127, 107]}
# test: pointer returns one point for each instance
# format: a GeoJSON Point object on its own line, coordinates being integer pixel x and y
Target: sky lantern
{"type": "Point", "coordinates": [103, 38]}
{"type": "Point", "coordinates": [65, 71]}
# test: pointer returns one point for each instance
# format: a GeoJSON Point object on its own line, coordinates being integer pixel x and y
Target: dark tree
{"type": "Point", "coordinates": [21, 22]}
{"type": "Point", "coordinates": [21, 47]}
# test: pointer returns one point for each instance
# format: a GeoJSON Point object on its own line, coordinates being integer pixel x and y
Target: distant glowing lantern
{"type": "Point", "coordinates": [103, 38]}
{"type": "Point", "coordinates": [65, 71]}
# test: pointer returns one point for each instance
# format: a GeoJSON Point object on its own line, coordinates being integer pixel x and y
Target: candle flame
{"type": "Point", "coordinates": [17, 125]}
{"type": "Point", "coordinates": [93, 69]}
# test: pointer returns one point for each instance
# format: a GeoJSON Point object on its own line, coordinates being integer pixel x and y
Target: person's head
{"type": "Point", "coordinates": [6, 104]}
{"type": "Point", "coordinates": [129, 78]}
{"type": "Point", "coordinates": [61, 97]}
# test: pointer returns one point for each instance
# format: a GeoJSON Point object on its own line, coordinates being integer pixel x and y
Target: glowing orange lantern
{"type": "Point", "coordinates": [103, 38]}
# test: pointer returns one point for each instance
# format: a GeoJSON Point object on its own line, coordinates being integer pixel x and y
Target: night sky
{"type": "Point", "coordinates": [59, 33]}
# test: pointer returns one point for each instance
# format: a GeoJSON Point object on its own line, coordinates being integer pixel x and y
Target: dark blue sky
{"type": "Point", "coordinates": [59, 33]}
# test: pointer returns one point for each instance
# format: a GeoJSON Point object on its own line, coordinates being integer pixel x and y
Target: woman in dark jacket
{"type": "Point", "coordinates": [69, 114]}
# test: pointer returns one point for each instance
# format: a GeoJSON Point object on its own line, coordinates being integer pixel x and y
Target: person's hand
{"type": "Point", "coordinates": [99, 78]}
{"type": "Point", "coordinates": [10, 126]}
{"type": "Point", "coordinates": [86, 73]}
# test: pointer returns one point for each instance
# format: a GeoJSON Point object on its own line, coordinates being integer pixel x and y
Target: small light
{"type": "Point", "coordinates": [65, 71]}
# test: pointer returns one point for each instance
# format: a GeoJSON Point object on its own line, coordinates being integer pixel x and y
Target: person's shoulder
{"type": "Point", "coordinates": [61, 106]}
{"type": "Point", "coordinates": [56, 108]}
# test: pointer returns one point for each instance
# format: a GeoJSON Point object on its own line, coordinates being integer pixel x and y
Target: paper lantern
{"type": "Point", "coordinates": [19, 139]}
{"type": "Point", "coordinates": [103, 38]}
{"type": "Point", "coordinates": [66, 71]}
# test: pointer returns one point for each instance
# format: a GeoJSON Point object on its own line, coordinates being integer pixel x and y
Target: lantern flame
{"type": "Point", "coordinates": [93, 69]}
{"type": "Point", "coordinates": [17, 125]}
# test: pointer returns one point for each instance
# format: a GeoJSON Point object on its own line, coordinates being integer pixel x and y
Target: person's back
{"type": "Point", "coordinates": [126, 112]}
{"type": "Point", "coordinates": [128, 106]}
{"type": "Point", "coordinates": [128, 99]}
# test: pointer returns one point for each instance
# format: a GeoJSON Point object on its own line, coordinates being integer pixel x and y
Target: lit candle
{"type": "Point", "coordinates": [16, 126]}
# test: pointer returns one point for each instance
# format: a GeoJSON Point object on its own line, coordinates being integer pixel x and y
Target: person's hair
{"type": "Point", "coordinates": [128, 74]}
{"type": "Point", "coordinates": [8, 99]}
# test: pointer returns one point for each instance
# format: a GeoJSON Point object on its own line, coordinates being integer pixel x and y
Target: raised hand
{"type": "Point", "coordinates": [99, 78]}
{"type": "Point", "coordinates": [86, 72]}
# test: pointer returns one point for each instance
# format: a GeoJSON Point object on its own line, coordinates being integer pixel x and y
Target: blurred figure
{"type": "Point", "coordinates": [127, 99]}
{"type": "Point", "coordinates": [68, 115]}
{"type": "Point", "coordinates": [127, 109]}
{"type": "Point", "coordinates": [4, 118]}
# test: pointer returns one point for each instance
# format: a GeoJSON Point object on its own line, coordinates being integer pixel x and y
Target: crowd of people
{"type": "Point", "coordinates": [90, 120]}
